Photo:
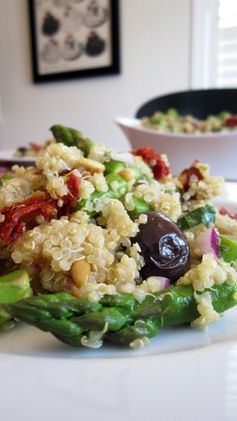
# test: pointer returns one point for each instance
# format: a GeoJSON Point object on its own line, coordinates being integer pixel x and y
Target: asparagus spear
{"type": "Point", "coordinates": [140, 206]}
{"type": "Point", "coordinates": [121, 187]}
{"type": "Point", "coordinates": [119, 318]}
{"type": "Point", "coordinates": [13, 287]}
{"type": "Point", "coordinates": [114, 167]}
{"type": "Point", "coordinates": [71, 137]}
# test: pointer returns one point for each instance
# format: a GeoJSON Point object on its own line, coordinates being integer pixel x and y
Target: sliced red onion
{"type": "Point", "coordinates": [158, 283]}
{"type": "Point", "coordinates": [125, 157]}
{"type": "Point", "coordinates": [208, 242]}
{"type": "Point", "coordinates": [38, 171]}
{"type": "Point", "coordinates": [164, 283]}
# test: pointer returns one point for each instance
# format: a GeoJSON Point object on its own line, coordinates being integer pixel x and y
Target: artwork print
{"type": "Point", "coordinates": [74, 38]}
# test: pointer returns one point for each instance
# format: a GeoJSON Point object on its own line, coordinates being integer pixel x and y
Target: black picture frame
{"type": "Point", "coordinates": [50, 72]}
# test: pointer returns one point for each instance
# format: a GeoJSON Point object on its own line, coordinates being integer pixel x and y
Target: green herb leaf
{"type": "Point", "coordinates": [205, 215]}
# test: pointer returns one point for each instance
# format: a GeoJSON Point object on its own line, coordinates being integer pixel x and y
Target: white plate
{"type": "Point", "coordinates": [9, 156]}
{"type": "Point", "coordinates": [216, 149]}
{"type": "Point", "coordinates": [184, 374]}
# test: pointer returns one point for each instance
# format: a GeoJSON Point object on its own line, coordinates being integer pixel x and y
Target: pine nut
{"type": "Point", "coordinates": [91, 165]}
{"type": "Point", "coordinates": [80, 271]}
{"type": "Point", "coordinates": [127, 174]}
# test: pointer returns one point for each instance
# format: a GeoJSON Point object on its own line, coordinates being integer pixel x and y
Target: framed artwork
{"type": "Point", "coordinates": [74, 38]}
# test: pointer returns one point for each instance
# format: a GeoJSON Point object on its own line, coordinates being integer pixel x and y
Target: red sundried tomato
{"type": "Point", "coordinates": [231, 121]}
{"type": "Point", "coordinates": [73, 184]}
{"type": "Point", "coordinates": [23, 214]}
{"type": "Point", "coordinates": [155, 161]}
{"type": "Point", "coordinates": [186, 174]}
{"type": "Point", "coordinates": [35, 148]}
{"type": "Point", "coordinates": [161, 170]}
{"type": "Point", "coordinates": [147, 153]}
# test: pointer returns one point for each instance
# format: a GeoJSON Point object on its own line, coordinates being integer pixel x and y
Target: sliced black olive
{"type": "Point", "coordinates": [163, 247]}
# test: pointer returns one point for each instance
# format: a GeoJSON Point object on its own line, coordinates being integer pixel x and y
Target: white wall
{"type": "Point", "coordinates": [155, 55]}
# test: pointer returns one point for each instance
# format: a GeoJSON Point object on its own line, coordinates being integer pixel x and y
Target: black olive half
{"type": "Point", "coordinates": [163, 247]}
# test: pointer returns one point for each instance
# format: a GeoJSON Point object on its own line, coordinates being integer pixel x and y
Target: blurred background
{"type": "Point", "coordinates": [165, 46]}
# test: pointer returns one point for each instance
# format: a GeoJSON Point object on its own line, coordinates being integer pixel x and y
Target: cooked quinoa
{"type": "Point", "coordinates": [83, 239]}
{"type": "Point", "coordinates": [226, 225]}
{"type": "Point", "coordinates": [207, 273]}
{"type": "Point", "coordinates": [201, 187]}
{"type": "Point", "coordinates": [20, 186]}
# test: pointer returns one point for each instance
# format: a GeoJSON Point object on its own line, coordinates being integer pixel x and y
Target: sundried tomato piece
{"type": "Point", "coordinates": [155, 161]}
{"type": "Point", "coordinates": [73, 184]}
{"type": "Point", "coordinates": [35, 148]}
{"type": "Point", "coordinates": [231, 121]}
{"type": "Point", "coordinates": [22, 215]}
{"type": "Point", "coordinates": [146, 153]}
{"type": "Point", "coordinates": [161, 170]}
{"type": "Point", "coordinates": [186, 175]}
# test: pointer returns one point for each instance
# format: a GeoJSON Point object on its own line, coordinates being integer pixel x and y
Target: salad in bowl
{"type": "Point", "coordinates": [172, 121]}
{"type": "Point", "coordinates": [102, 246]}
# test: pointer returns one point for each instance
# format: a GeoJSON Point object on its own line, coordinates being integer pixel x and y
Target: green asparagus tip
{"type": "Point", "coordinates": [71, 137]}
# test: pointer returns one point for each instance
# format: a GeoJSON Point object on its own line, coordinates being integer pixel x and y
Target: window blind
{"type": "Point", "coordinates": [227, 44]}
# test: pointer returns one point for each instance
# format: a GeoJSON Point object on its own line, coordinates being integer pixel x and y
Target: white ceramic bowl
{"type": "Point", "coordinates": [218, 150]}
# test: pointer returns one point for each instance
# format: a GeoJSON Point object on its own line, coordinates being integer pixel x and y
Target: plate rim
{"type": "Point", "coordinates": [7, 155]}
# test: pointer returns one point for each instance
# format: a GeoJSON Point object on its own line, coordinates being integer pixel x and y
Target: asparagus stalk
{"type": "Point", "coordinates": [71, 137]}
{"type": "Point", "coordinates": [119, 318]}
{"type": "Point", "coordinates": [14, 286]}
{"type": "Point", "coordinates": [114, 167]}
{"type": "Point", "coordinates": [140, 206]}
{"type": "Point", "coordinates": [6, 322]}
{"type": "Point", "coordinates": [117, 192]}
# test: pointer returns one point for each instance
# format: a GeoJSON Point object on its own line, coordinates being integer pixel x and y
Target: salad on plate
{"type": "Point", "coordinates": [101, 246]}
{"type": "Point", "coordinates": [32, 150]}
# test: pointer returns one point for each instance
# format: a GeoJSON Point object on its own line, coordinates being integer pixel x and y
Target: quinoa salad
{"type": "Point", "coordinates": [98, 245]}
{"type": "Point", "coordinates": [173, 122]}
